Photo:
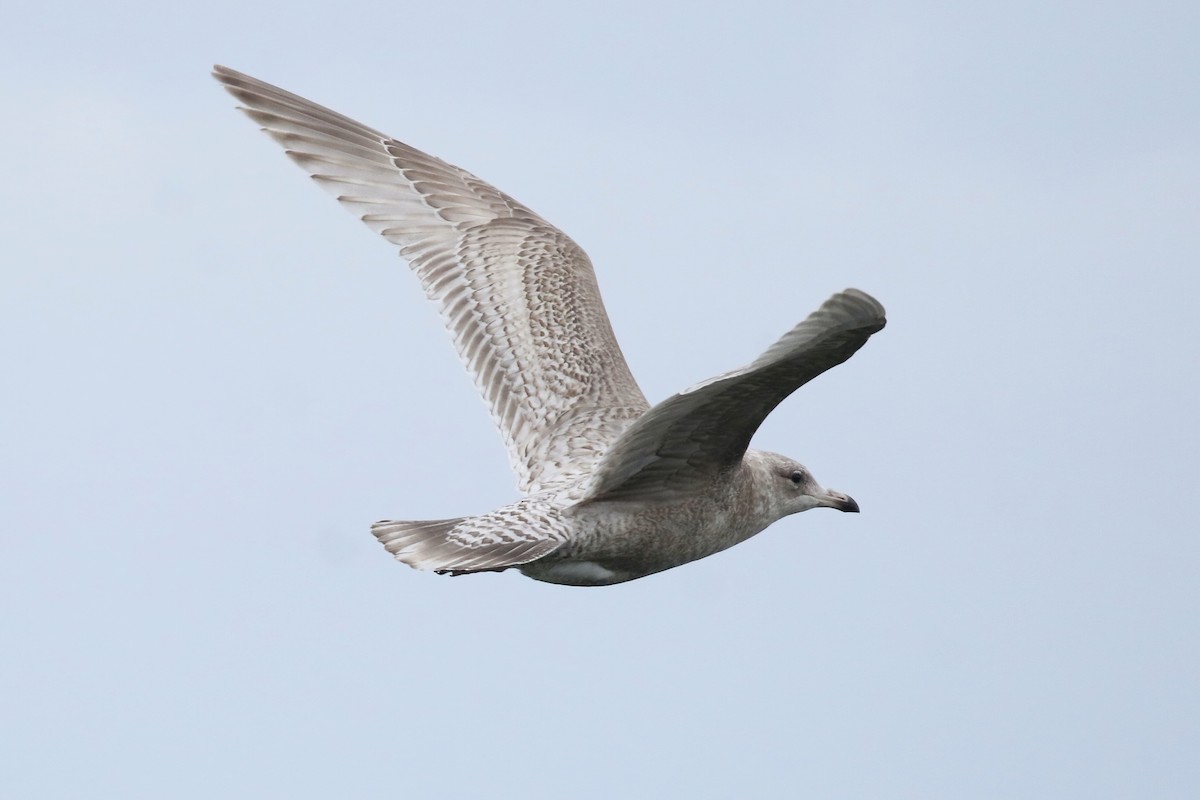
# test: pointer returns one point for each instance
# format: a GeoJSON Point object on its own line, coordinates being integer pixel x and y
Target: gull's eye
{"type": "Point", "coordinates": [797, 477]}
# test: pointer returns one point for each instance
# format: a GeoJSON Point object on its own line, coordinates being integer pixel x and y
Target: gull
{"type": "Point", "coordinates": [613, 488]}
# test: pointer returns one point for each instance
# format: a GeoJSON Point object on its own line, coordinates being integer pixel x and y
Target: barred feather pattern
{"type": "Point", "coordinates": [509, 536]}
{"type": "Point", "coordinates": [615, 490]}
{"type": "Point", "coordinates": [519, 297]}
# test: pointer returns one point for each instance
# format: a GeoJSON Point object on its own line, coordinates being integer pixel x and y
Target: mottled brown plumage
{"type": "Point", "coordinates": [615, 489]}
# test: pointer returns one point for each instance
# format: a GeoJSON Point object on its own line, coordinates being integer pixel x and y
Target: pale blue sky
{"type": "Point", "coordinates": [217, 379]}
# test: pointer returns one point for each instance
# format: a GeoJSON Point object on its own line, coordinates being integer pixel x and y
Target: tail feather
{"type": "Point", "coordinates": [429, 545]}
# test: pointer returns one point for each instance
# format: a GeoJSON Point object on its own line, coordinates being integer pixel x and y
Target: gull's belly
{"type": "Point", "coordinates": [612, 547]}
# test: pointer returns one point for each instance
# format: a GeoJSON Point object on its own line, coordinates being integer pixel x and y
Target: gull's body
{"type": "Point", "coordinates": [615, 489]}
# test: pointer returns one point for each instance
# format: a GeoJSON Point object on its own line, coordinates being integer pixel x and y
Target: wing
{"type": "Point", "coordinates": [682, 443]}
{"type": "Point", "coordinates": [519, 297]}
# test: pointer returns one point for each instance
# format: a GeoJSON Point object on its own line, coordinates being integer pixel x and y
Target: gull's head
{"type": "Point", "coordinates": [791, 488]}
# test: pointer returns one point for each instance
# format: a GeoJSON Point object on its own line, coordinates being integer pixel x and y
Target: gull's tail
{"type": "Point", "coordinates": [448, 546]}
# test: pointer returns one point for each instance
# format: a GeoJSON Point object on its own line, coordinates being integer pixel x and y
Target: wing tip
{"type": "Point", "coordinates": [861, 305]}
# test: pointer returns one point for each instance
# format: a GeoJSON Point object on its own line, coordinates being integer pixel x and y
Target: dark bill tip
{"type": "Point", "coordinates": [844, 502]}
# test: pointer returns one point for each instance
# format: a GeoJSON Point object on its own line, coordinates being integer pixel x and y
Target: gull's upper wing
{"type": "Point", "coordinates": [678, 447]}
{"type": "Point", "coordinates": [519, 297]}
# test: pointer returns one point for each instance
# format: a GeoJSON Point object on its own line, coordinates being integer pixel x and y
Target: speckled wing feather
{"type": "Point", "coordinates": [680, 445]}
{"type": "Point", "coordinates": [519, 297]}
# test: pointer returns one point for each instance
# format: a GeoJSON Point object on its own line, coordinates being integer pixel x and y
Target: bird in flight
{"type": "Point", "coordinates": [614, 488]}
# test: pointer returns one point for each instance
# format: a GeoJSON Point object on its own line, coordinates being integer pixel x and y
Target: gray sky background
{"type": "Point", "coordinates": [216, 379]}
